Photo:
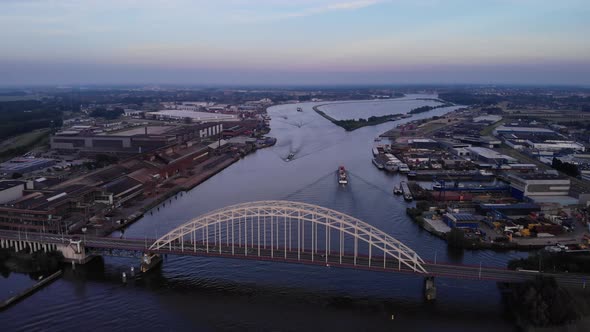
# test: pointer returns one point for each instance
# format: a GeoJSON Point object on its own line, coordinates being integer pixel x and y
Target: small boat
{"type": "Point", "coordinates": [377, 163]}
{"type": "Point", "coordinates": [412, 174]}
{"type": "Point", "coordinates": [342, 177]}
{"type": "Point", "coordinates": [290, 156]}
{"type": "Point", "coordinates": [397, 190]}
{"type": "Point", "coordinates": [299, 109]}
{"type": "Point", "coordinates": [377, 139]}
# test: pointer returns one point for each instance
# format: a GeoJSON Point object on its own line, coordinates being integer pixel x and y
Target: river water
{"type": "Point", "coordinates": [210, 294]}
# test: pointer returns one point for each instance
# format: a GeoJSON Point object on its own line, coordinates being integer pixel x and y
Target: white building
{"type": "Point", "coordinates": [555, 145]}
{"type": "Point", "coordinates": [11, 190]}
{"type": "Point", "coordinates": [193, 116]}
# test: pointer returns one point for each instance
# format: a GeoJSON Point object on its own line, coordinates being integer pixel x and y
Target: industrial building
{"type": "Point", "coordinates": [24, 165]}
{"type": "Point", "coordinates": [131, 141]}
{"type": "Point", "coordinates": [554, 145]}
{"type": "Point", "coordinates": [489, 156]}
{"type": "Point", "coordinates": [501, 130]}
{"type": "Point", "coordinates": [11, 190]}
{"type": "Point", "coordinates": [532, 185]}
{"type": "Point", "coordinates": [461, 220]}
{"type": "Point", "coordinates": [423, 143]}
{"type": "Point", "coordinates": [182, 115]}
{"type": "Point", "coordinates": [48, 210]}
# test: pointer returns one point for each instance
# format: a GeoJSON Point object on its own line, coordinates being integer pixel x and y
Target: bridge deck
{"type": "Point", "coordinates": [107, 246]}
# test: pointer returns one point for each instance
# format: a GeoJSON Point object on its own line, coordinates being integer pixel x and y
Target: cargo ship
{"type": "Point", "coordinates": [342, 177]}
{"type": "Point", "coordinates": [406, 191]}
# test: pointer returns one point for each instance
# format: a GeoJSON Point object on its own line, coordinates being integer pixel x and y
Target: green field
{"type": "Point", "coordinates": [487, 131]}
{"type": "Point", "coordinates": [20, 144]}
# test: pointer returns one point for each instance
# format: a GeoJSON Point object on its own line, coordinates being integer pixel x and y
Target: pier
{"type": "Point", "coordinates": [30, 291]}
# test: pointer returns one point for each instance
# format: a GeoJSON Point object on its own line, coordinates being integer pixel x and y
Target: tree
{"type": "Point", "coordinates": [456, 238]}
{"type": "Point", "coordinates": [567, 168]}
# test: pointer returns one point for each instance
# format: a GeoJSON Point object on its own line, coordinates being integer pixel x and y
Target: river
{"type": "Point", "coordinates": [210, 294]}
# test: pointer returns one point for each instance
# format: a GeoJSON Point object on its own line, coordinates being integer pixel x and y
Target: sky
{"type": "Point", "coordinates": [294, 42]}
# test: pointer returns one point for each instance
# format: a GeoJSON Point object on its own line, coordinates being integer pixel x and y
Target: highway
{"type": "Point", "coordinates": [111, 246]}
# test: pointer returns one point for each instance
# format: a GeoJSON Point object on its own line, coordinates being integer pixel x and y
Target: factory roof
{"type": "Point", "coordinates": [523, 129]}
{"type": "Point", "coordinates": [199, 116]}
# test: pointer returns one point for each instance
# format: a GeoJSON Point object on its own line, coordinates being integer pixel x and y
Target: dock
{"type": "Point", "coordinates": [30, 291]}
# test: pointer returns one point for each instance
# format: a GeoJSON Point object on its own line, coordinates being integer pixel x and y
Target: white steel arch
{"type": "Point", "coordinates": [214, 224]}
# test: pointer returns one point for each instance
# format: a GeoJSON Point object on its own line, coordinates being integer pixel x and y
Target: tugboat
{"type": "Point", "coordinates": [290, 156]}
{"type": "Point", "coordinates": [299, 109]}
{"type": "Point", "coordinates": [342, 177]}
{"type": "Point", "coordinates": [397, 190]}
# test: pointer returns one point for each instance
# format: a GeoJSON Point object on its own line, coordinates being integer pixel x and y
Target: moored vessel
{"type": "Point", "coordinates": [406, 191]}
{"type": "Point", "coordinates": [377, 163]}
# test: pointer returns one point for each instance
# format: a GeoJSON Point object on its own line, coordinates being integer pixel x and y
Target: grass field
{"type": "Point", "coordinates": [20, 144]}
{"type": "Point", "coordinates": [487, 131]}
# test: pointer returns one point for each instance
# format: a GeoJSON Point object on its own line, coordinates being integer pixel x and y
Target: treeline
{"type": "Point", "coordinates": [540, 303]}
{"type": "Point", "coordinates": [107, 114]}
{"type": "Point", "coordinates": [565, 167]}
{"type": "Point", "coordinates": [519, 100]}
{"type": "Point", "coordinates": [553, 262]}
{"type": "Point", "coordinates": [423, 109]}
{"type": "Point", "coordinates": [352, 124]}
{"type": "Point", "coordinates": [15, 151]}
{"type": "Point", "coordinates": [18, 117]}
{"type": "Point", "coordinates": [465, 98]}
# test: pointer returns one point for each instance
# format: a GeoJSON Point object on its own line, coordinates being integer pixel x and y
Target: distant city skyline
{"type": "Point", "coordinates": [306, 42]}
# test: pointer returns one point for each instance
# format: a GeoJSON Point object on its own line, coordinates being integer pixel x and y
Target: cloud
{"type": "Point", "coordinates": [348, 5]}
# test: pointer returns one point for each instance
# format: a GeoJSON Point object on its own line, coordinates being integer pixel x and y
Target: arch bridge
{"type": "Point", "coordinates": [291, 232]}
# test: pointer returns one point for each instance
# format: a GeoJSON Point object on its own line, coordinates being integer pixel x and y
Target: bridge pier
{"type": "Point", "coordinates": [149, 261]}
{"type": "Point", "coordinates": [429, 289]}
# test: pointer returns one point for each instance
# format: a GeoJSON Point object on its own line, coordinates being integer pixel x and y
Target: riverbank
{"type": "Point", "coordinates": [457, 239]}
{"type": "Point", "coordinates": [197, 175]}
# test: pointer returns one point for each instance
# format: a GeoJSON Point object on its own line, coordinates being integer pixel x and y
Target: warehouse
{"type": "Point", "coordinates": [24, 165]}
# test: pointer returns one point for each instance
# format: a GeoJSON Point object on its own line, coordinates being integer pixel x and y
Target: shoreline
{"type": "Point", "coordinates": [473, 245]}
